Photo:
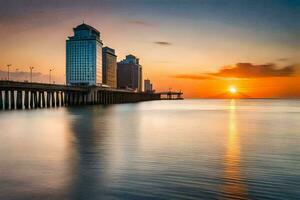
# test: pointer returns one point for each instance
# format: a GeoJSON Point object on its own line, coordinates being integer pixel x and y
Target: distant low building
{"type": "Point", "coordinates": [129, 73]}
{"type": "Point", "coordinates": [84, 57]}
{"type": "Point", "coordinates": [109, 67]}
{"type": "Point", "coordinates": [148, 87]}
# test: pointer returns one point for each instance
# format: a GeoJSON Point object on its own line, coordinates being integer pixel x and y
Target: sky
{"type": "Point", "coordinates": [201, 47]}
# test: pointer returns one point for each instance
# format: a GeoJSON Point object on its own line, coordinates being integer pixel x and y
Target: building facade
{"type": "Point", "coordinates": [129, 73]}
{"type": "Point", "coordinates": [109, 67]}
{"type": "Point", "coordinates": [84, 57]}
{"type": "Point", "coordinates": [148, 86]}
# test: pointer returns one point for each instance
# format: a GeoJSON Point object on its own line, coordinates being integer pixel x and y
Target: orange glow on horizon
{"type": "Point", "coordinates": [270, 87]}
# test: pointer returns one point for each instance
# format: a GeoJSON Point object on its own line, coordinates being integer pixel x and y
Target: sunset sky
{"type": "Point", "coordinates": [199, 46]}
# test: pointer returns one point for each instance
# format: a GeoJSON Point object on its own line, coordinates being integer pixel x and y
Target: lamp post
{"type": "Point", "coordinates": [16, 75]}
{"type": "Point", "coordinates": [31, 68]}
{"type": "Point", "coordinates": [50, 70]}
{"type": "Point", "coordinates": [8, 71]}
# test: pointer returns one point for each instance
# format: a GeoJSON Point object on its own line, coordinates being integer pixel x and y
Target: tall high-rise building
{"type": "Point", "coordinates": [84, 56]}
{"type": "Point", "coordinates": [148, 86]}
{"type": "Point", "coordinates": [129, 73]}
{"type": "Point", "coordinates": [109, 67]}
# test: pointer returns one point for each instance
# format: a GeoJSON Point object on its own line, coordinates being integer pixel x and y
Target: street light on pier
{"type": "Point", "coordinates": [50, 70]}
{"type": "Point", "coordinates": [8, 71]}
{"type": "Point", "coordinates": [31, 68]}
{"type": "Point", "coordinates": [17, 70]}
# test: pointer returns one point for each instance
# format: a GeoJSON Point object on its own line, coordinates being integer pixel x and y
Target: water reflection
{"type": "Point", "coordinates": [89, 160]}
{"type": "Point", "coordinates": [99, 147]}
{"type": "Point", "coordinates": [234, 186]}
{"type": "Point", "coordinates": [152, 150]}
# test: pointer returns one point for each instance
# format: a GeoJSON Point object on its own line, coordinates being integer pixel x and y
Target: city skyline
{"type": "Point", "coordinates": [202, 52]}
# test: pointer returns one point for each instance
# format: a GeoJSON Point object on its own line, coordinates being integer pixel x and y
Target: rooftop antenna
{"type": "Point", "coordinates": [83, 21]}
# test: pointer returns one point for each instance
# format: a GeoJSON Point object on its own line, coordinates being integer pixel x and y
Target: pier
{"type": "Point", "coordinates": [24, 95]}
{"type": "Point", "coordinates": [170, 95]}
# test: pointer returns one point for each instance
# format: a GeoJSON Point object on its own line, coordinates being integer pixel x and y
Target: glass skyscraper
{"type": "Point", "coordinates": [84, 56]}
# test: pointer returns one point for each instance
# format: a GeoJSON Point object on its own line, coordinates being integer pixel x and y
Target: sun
{"type": "Point", "coordinates": [232, 89]}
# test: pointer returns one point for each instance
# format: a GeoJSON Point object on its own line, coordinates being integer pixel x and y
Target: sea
{"type": "Point", "coordinates": [182, 149]}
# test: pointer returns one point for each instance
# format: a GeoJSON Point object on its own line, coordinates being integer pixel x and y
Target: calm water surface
{"type": "Point", "coordinates": [191, 149]}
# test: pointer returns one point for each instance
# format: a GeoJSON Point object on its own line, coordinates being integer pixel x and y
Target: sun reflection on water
{"type": "Point", "coordinates": [233, 186]}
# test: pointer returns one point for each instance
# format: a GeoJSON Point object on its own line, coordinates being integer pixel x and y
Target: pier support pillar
{"type": "Point", "coordinates": [81, 98]}
{"type": "Point", "coordinates": [106, 98]}
{"type": "Point", "coordinates": [101, 97]}
{"type": "Point", "coordinates": [12, 100]}
{"type": "Point", "coordinates": [57, 99]}
{"type": "Point", "coordinates": [117, 97]}
{"type": "Point", "coordinates": [52, 99]}
{"type": "Point", "coordinates": [77, 96]}
{"type": "Point", "coordinates": [19, 99]}
{"type": "Point", "coordinates": [6, 100]}
{"type": "Point", "coordinates": [35, 99]}
{"type": "Point", "coordinates": [74, 98]}
{"type": "Point", "coordinates": [95, 97]}
{"type": "Point", "coordinates": [71, 100]}
{"type": "Point", "coordinates": [62, 101]}
{"type": "Point", "coordinates": [1, 101]}
{"type": "Point", "coordinates": [88, 98]}
{"type": "Point", "coordinates": [111, 98]}
{"type": "Point", "coordinates": [48, 99]}
{"type": "Point", "coordinates": [84, 98]}
{"type": "Point", "coordinates": [31, 99]}
{"type": "Point", "coordinates": [67, 98]}
{"type": "Point", "coordinates": [26, 99]}
{"type": "Point", "coordinates": [41, 99]}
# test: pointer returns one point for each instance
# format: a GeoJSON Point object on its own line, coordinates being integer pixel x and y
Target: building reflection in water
{"type": "Point", "coordinates": [99, 158]}
{"type": "Point", "coordinates": [234, 186]}
{"type": "Point", "coordinates": [88, 163]}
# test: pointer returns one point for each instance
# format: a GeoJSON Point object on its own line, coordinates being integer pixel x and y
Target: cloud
{"type": "Point", "coordinates": [245, 70]}
{"type": "Point", "coordinates": [249, 70]}
{"type": "Point", "coordinates": [140, 23]}
{"type": "Point", "coordinates": [192, 76]}
{"type": "Point", "coordinates": [163, 43]}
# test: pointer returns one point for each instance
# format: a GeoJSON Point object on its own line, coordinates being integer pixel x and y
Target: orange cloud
{"type": "Point", "coordinates": [249, 70]}
{"type": "Point", "coordinates": [245, 70]}
{"type": "Point", "coordinates": [193, 76]}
